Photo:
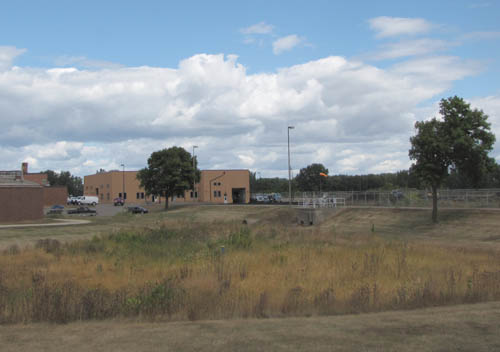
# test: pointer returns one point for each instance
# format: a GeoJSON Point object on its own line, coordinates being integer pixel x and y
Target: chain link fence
{"type": "Point", "coordinates": [447, 198]}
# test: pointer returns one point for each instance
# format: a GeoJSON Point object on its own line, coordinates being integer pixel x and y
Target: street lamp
{"type": "Point", "coordinates": [194, 172]}
{"type": "Point", "coordinates": [123, 182]}
{"type": "Point", "coordinates": [289, 169]}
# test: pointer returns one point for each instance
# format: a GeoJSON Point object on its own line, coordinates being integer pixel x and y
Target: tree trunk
{"type": "Point", "coordinates": [166, 202]}
{"type": "Point", "coordinates": [434, 204]}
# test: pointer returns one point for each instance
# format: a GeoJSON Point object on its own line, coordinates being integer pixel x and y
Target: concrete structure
{"type": "Point", "coordinates": [51, 194]}
{"type": "Point", "coordinates": [20, 200]}
{"type": "Point", "coordinates": [215, 186]}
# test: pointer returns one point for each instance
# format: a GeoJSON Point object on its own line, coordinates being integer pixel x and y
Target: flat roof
{"type": "Point", "coordinates": [19, 183]}
{"type": "Point", "coordinates": [120, 171]}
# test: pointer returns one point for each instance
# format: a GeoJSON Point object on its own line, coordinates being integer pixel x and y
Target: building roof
{"type": "Point", "coordinates": [120, 171]}
{"type": "Point", "coordinates": [15, 179]}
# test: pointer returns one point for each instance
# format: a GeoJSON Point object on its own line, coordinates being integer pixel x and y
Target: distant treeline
{"type": "Point", "coordinates": [386, 181]}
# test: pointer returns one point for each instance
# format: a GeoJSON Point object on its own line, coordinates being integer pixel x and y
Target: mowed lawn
{"type": "Point", "coordinates": [474, 327]}
{"type": "Point", "coordinates": [357, 260]}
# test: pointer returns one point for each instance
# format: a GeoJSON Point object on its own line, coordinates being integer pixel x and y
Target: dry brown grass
{"type": "Point", "coordinates": [174, 269]}
{"type": "Point", "coordinates": [472, 327]}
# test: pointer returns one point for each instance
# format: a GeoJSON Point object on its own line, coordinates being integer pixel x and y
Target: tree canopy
{"type": "Point", "coordinates": [309, 178]}
{"type": "Point", "coordinates": [64, 178]}
{"type": "Point", "coordinates": [459, 143]}
{"type": "Point", "coordinates": [169, 172]}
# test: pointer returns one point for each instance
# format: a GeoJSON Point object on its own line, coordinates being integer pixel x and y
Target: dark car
{"type": "Point", "coordinates": [138, 210]}
{"type": "Point", "coordinates": [56, 209]}
{"type": "Point", "coordinates": [82, 210]}
{"type": "Point", "coordinates": [118, 201]}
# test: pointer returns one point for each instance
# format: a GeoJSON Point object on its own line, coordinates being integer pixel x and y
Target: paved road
{"type": "Point", "coordinates": [102, 209]}
{"type": "Point", "coordinates": [60, 222]}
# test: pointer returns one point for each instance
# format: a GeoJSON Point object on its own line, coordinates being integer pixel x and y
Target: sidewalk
{"type": "Point", "coordinates": [61, 222]}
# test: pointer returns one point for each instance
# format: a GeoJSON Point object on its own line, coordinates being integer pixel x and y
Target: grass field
{"type": "Point", "coordinates": [202, 263]}
{"type": "Point", "coordinates": [473, 327]}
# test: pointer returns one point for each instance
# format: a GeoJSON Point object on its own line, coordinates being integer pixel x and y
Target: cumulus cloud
{"type": "Point", "coordinates": [349, 115]}
{"type": "Point", "coordinates": [7, 55]}
{"type": "Point", "coordinates": [417, 47]}
{"type": "Point", "coordinates": [286, 43]}
{"type": "Point", "coordinates": [258, 28]}
{"type": "Point", "coordinates": [491, 107]}
{"type": "Point", "coordinates": [385, 26]}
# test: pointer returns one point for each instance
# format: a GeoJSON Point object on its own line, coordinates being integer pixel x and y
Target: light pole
{"type": "Point", "coordinates": [289, 169]}
{"type": "Point", "coordinates": [123, 183]}
{"type": "Point", "coordinates": [194, 173]}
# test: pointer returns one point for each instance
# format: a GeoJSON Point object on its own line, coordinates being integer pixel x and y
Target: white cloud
{"type": "Point", "coordinates": [7, 55]}
{"type": "Point", "coordinates": [258, 28]}
{"type": "Point", "coordinates": [286, 43]}
{"type": "Point", "coordinates": [417, 47]}
{"type": "Point", "coordinates": [397, 26]}
{"type": "Point", "coordinates": [351, 116]}
{"type": "Point", "coordinates": [491, 107]}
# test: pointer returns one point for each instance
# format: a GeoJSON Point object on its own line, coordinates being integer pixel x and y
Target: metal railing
{"type": "Point", "coordinates": [456, 198]}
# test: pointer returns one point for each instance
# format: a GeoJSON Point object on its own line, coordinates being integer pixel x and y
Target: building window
{"type": "Point", "coordinates": [102, 195]}
{"type": "Point", "coordinates": [215, 193]}
{"type": "Point", "coordinates": [191, 195]}
{"type": "Point", "coordinates": [196, 194]}
{"type": "Point", "coordinates": [125, 195]}
{"type": "Point", "coordinates": [142, 195]}
{"type": "Point", "coordinates": [218, 193]}
{"type": "Point", "coordinates": [87, 188]}
{"type": "Point", "coordinates": [107, 196]}
{"type": "Point", "coordinates": [120, 195]}
{"type": "Point", "coordinates": [218, 183]}
{"type": "Point", "coordinates": [215, 183]}
{"type": "Point", "coordinates": [138, 195]}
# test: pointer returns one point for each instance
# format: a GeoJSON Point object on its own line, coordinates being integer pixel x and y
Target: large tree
{"type": "Point", "coordinates": [309, 178]}
{"type": "Point", "coordinates": [169, 172]}
{"type": "Point", "coordinates": [460, 141]}
{"type": "Point", "coordinates": [73, 183]}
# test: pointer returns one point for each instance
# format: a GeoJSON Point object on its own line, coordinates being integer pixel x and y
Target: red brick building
{"type": "Point", "coordinates": [51, 194]}
{"type": "Point", "coordinates": [20, 200]}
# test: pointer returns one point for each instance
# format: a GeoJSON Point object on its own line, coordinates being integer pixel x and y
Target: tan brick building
{"type": "Point", "coordinates": [216, 186]}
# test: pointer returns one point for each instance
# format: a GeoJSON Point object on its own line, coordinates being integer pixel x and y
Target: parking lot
{"type": "Point", "coordinates": [102, 209]}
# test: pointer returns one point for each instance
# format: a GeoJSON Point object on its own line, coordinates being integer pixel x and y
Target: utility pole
{"type": "Point", "coordinates": [123, 182]}
{"type": "Point", "coordinates": [289, 169]}
{"type": "Point", "coordinates": [194, 172]}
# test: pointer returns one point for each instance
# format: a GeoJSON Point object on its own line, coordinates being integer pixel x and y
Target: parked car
{"type": "Point", "coordinates": [138, 210]}
{"type": "Point", "coordinates": [72, 200]}
{"type": "Point", "coordinates": [82, 210]}
{"type": "Point", "coordinates": [56, 209]}
{"type": "Point", "coordinates": [275, 197]}
{"type": "Point", "coordinates": [118, 201]}
{"type": "Point", "coordinates": [88, 200]}
{"type": "Point", "coordinates": [262, 198]}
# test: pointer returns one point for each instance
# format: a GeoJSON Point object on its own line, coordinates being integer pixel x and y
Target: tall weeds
{"type": "Point", "coordinates": [219, 270]}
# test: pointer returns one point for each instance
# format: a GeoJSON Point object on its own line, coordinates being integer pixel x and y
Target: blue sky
{"type": "Point", "coordinates": [81, 82]}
